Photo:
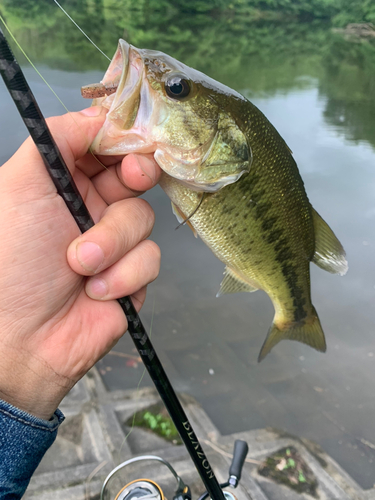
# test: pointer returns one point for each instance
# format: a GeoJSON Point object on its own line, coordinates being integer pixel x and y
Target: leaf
{"type": "Point", "coordinates": [301, 477]}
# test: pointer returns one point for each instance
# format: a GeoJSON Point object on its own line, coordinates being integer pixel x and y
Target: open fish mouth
{"type": "Point", "coordinates": [128, 122]}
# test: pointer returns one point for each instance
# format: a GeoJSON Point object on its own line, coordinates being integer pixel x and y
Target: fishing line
{"type": "Point", "coordinates": [193, 212]}
{"type": "Point", "coordinates": [94, 44]}
{"type": "Point", "coordinates": [153, 308]}
{"type": "Point", "coordinates": [49, 86]}
{"type": "Point", "coordinates": [91, 476]}
{"type": "Point", "coordinates": [97, 159]}
{"type": "Point", "coordinates": [33, 65]}
{"type": "Point", "coordinates": [80, 29]}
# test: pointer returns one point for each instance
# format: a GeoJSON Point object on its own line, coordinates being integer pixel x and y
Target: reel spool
{"type": "Point", "coordinates": [141, 488]}
{"type": "Point", "coordinates": [146, 488]}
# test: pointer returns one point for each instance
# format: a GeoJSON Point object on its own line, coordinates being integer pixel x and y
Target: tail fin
{"type": "Point", "coordinates": [308, 331]}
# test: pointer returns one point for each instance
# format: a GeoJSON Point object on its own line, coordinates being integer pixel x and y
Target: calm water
{"type": "Point", "coordinates": [320, 96]}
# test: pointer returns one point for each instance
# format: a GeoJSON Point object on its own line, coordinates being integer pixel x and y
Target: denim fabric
{"type": "Point", "coordinates": [24, 439]}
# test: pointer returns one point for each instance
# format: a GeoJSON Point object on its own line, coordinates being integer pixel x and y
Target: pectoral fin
{"type": "Point", "coordinates": [181, 218]}
{"type": "Point", "coordinates": [329, 253]}
{"type": "Point", "coordinates": [308, 331]}
{"type": "Point", "coordinates": [232, 283]}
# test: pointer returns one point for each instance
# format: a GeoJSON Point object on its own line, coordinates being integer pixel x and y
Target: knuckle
{"type": "Point", "coordinates": [58, 124]}
{"type": "Point", "coordinates": [126, 224]}
{"type": "Point", "coordinates": [146, 212]}
{"type": "Point", "coordinates": [139, 298]}
{"type": "Point", "coordinates": [154, 256]}
{"type": "Point", "coordinates": [141, 218]}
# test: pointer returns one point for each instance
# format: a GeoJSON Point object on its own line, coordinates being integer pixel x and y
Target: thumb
{"type": "Point", "coordinates": [73, 133]}
{"type": "Point", "coordinates": [25, 174]}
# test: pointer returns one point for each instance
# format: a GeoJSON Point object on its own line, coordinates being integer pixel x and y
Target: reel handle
{"type": "Point", "coordinates": [239, 454]}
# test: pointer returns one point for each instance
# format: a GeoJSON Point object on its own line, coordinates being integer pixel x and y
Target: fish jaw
{"type": "Point", "coordinates": [141, 118]}
{"type": "Point", "coordinates": [130, 109]}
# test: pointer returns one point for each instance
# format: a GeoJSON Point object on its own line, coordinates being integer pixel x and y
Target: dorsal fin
{"type": "Point", "coordinates": [329, 253]}
{"type": "Point", "coordinates": [232, 283]}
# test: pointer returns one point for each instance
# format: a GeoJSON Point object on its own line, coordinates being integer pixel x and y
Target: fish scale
{"type": "Point", "coordinates": [245, 224]}
{"type": "Point", "coordinates": [234, 229]}
{"type": "Point", "coordinates": [229, 173]}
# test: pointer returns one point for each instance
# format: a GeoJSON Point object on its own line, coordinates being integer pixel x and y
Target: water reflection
{"type": "Point", "coordinates": [318, 90]}
{"type": "Point", "coordinates": [349, 84]}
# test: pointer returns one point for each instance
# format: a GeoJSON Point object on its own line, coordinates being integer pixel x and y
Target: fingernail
{"type": "Point", "coordinates": [96, 288]}
{"type": "Point", "coordinates": [92, 111]}
{"type": "Point", "coordinates": [89, 255]}
{"type": "Point", "coordinates": [147, 167]}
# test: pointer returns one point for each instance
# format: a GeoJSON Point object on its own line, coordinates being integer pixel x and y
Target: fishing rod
{"type": "Point", "coordinates": [34, 120]}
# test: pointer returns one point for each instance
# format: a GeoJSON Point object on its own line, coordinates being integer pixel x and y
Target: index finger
{"type": "Point", "coordinates": [128, 178]}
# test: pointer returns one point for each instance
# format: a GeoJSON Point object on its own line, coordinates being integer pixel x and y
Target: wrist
{"type": "Point", "coordinates": [31, 385]}
{"type": "Point", "coordinates": [33, 404]}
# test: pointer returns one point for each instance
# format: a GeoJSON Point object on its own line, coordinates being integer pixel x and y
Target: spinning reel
{"type": "Point", "coordinates": [146, 489]}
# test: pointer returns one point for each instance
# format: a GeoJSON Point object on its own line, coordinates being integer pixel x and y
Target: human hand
{"type": "Point", "coordinates": [55, 323]}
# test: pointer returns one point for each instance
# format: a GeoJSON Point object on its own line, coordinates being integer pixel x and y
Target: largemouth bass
{"type": "Point", "coordinates": [228, 173]}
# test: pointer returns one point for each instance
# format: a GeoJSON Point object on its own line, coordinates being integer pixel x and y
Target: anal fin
{"type": "Point", "coordinates": [308, 332]}
{"type": "Point", "coordinates": [329, 253]}
{"type": "Point", "coordinates": [232, 283]}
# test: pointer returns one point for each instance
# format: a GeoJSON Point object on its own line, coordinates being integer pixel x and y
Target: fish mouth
{"type": "Point", "coordinates": [128, 102]}
{"type": "Point", "coordinates": [135, 117]}
{"type": "Point", "coordinates": [140, 119]}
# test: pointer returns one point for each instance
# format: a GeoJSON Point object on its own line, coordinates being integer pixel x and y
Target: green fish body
{"type": "Point", "coordinates": [229, 174]}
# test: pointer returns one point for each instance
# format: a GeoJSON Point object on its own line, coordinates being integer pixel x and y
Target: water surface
{"type": "Point", "coordinates": [318, 90]}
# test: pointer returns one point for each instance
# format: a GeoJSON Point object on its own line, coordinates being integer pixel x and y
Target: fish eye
{"type": "Point", "coordinates": [177, 87]}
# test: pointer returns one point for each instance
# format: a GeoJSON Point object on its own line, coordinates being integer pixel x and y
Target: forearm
{"type": "Point", "coordinates": [24, 439]}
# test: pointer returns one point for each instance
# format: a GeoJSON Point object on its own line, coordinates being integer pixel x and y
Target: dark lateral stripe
{"type": "Point", "coordinates": [274, 235]}
{"type": "Point", "coordinates": [268, 223]}
{"type": "Point", "coordinates": [261, 209]}
{"type": "Point", "coordinates": [289, 271]}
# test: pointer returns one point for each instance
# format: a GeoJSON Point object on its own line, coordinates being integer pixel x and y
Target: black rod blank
{"type": "Point", "coordinates": [34, 120]}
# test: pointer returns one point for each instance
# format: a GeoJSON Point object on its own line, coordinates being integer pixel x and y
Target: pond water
{"type": "Point", "coordinates": [318, 90]}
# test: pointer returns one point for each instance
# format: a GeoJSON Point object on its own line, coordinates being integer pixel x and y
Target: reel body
{"type": "Point", "coordinates": [147, 489]}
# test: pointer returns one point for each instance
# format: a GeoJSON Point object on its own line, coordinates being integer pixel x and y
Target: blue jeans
{"type": "Point", "coordinates": [24, 439]}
